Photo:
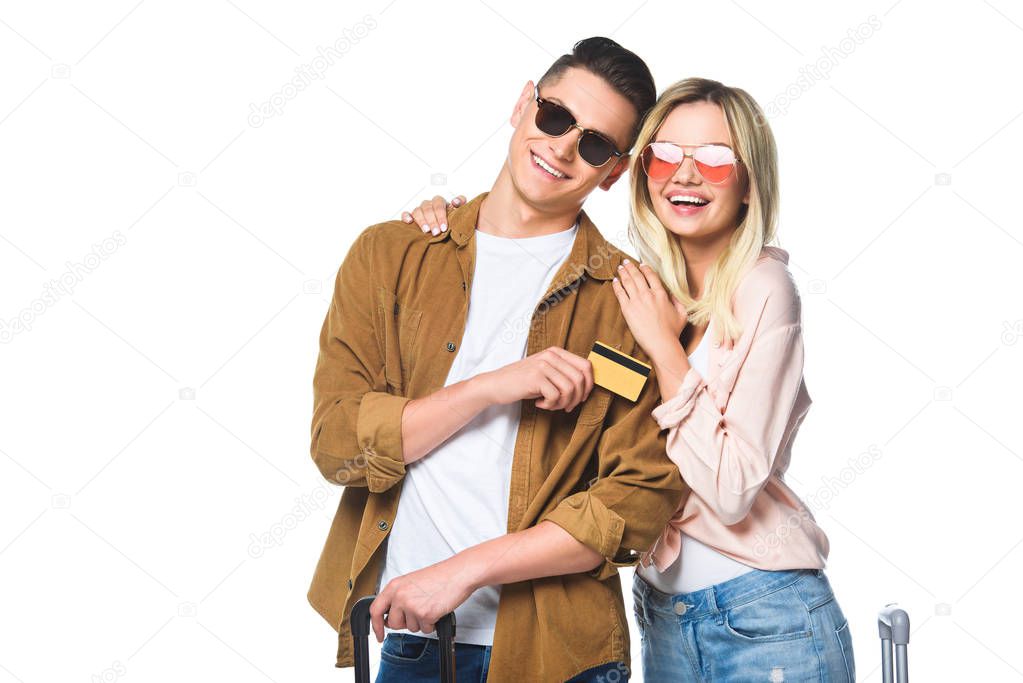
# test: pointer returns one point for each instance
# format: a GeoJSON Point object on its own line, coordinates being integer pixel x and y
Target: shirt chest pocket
{"type": "Point", "coordinates": [399, 326]}
{"type": "Point", "coordinates": [593, 410]}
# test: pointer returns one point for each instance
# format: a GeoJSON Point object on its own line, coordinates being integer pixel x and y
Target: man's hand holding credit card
{"type": "Point", "coordinates": [618, 372]}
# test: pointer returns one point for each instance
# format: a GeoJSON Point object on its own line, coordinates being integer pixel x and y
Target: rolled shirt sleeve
{"type": "Point", "coordinates": [728, 457]}
{"type": "Point", "coordinates": [681, 404]}
{"type": "Point", "coordinates": [356, 425]}
{"type": "Point", "coordinates": [636, 492]}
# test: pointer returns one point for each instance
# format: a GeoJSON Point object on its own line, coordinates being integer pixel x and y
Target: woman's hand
{"type": "Point", "coordinates": [655, 317]}
{"type": "Point", "coordinates": [432, 214]}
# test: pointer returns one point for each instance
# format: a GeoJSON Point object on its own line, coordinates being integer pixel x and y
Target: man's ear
{"type": "Point", "coordinates": [521, 104]}
{"type": "Point", "coordinates": [619, 169]}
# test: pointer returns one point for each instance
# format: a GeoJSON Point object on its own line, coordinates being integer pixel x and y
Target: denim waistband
{"type": "Point", "coordinates": [735, 592]}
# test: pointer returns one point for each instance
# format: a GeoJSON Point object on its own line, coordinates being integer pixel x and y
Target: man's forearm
{"type": "Point", "coordinates": [427, 422]}
{"type": "Point", "coordinates": [543, 550]}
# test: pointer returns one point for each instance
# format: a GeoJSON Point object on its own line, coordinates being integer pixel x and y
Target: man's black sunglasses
{"type": "Point", "coordinates": [554, 120]}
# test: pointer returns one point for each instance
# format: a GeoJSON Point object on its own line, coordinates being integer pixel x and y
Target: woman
{"type": "Point", "coordinates": [734, 589]}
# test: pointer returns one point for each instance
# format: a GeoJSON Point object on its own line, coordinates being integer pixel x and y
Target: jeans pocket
{"type": "Point", "coordinates": [400, 648]}
{"type": "Point", "coordinates": [845, 643]}
{"type": "Point", "coordinates": [641, 624]}
{"type": "Point", "coordinates": [776, 617]}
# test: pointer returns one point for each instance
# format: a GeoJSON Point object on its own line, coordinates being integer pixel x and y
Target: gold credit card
{"type": "Point", "coordinates": [617, 372]}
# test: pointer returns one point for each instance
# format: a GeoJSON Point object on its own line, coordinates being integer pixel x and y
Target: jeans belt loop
{"type": "Point", "coordinates": [719, 616]}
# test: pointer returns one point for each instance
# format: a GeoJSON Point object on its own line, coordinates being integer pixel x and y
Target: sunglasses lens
{"type": "Point", "coordinates": [594, 149]}
{"type": "Point", "coordinates": [661, 160]}
{"type": "Point", "coordinates": [553, 119]}
{"type": "Point", "coordinates": [715, 162]}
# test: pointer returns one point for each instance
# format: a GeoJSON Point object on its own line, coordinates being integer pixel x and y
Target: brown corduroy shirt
{"type": "Point", "coordinates": [600, 471]}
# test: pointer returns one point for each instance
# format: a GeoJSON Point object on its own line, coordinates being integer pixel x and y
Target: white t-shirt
{"type": "Point", "coordinates": [457, 496]}
{"type": "Point", "coordinates": [698, 566]}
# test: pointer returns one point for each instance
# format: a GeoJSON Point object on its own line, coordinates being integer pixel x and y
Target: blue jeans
{"type": "Point", "coordinates": [413, 659]}
{"type": "Point", "coordinates": [760, 626]}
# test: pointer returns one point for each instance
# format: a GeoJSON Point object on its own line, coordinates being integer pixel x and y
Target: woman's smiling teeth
{"type": "Point", "coordinates": [547, 167]}
{"type": "Point", "coordinates": [687, 200]}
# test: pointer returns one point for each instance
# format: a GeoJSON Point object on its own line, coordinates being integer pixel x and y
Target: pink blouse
{"type": "Point", "coordinates": [731, 434]}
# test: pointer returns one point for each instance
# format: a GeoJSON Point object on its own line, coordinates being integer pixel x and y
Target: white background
{"type": "Point", "coordinates": [154, 419]}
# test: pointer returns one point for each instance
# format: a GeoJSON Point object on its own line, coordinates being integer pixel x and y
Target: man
{"type": "Point", "coordinates": [484, 471]}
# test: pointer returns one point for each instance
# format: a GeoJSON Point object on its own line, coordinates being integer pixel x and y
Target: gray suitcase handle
{"type": "Point", "coordinates": [893, 627]}
{"type": "Point", "coordinates": [360, 637]}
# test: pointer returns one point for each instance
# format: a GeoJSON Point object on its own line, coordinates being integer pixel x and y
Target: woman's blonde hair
{"type": "Point", "coordinates": [657, 246]}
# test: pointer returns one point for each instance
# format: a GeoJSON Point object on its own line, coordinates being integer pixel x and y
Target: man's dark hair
{"type": "Point", "coordinates": [622, 69]}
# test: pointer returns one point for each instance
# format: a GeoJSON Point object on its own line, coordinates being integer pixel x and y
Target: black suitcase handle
{"type": "Point", "coordinates": [360, 639]}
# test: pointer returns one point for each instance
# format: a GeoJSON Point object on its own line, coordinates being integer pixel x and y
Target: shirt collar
{"type": "Point", "coordinates": [590, 251]}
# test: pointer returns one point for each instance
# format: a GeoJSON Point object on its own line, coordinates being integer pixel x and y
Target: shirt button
{"type": "Point", "coordinates": [349, 584]}
{"type": "Point", "coordinates": [382, 525]}
{"type": "Point", "coordinates": [717, 344]}
{"type": "Point", "coordinates": [463, 286]}
{"type": "Point", "coordinates": [451, 346]}
{"type": "Point", "coordinates": [680, 608]}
